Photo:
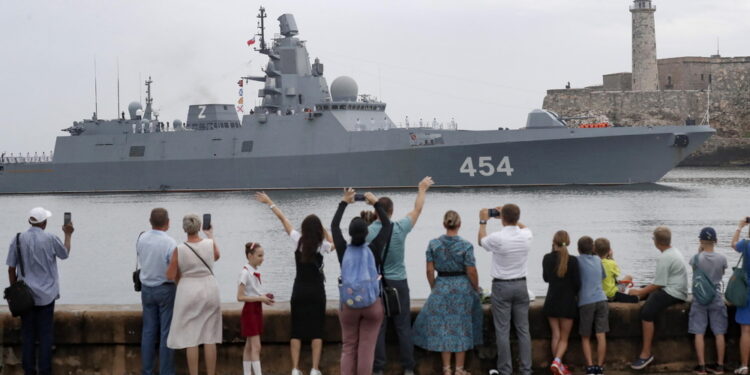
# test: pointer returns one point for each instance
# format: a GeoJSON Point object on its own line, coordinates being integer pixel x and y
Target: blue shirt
{"type": "Point", "coordinates": [39, 253]}
{"type": "Point", "coordinates": [592, 273]}
{"type": "Point", "coordinates": [394, 262]}
{"type": "Point", "coordinates": [154, 249]}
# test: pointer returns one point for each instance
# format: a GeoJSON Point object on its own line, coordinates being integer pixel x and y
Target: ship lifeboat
{"type": "Point", "coordinates": [595, 125]}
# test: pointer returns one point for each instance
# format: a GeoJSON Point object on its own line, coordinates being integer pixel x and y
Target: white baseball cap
{"type": "Point", "coordinates": [38, 215]}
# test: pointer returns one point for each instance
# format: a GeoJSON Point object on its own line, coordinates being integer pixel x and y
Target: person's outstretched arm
{"type": "Point", "coordinates": [736, 236]}
{"type": "Point", "coordinates": [264, 198]}
{"type": "Point", "coordinates": [424, 185]}
{"type": "Point", "coordinates": [378, 243]}
{"type": "Point", "coordinates": [338, 239]}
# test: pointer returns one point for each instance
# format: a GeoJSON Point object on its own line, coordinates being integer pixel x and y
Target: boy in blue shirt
{"type": "Point", "coordinates": [593, 310]}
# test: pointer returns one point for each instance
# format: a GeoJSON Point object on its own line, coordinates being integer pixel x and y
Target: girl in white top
{"type": "Point", "coordinates": [250, 291]}
{"type": "Point", "coordinates": [308, 302]}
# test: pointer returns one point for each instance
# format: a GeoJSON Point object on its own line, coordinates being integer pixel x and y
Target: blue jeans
{"type": "Point", "coordinates": [37, 324]}
{"type": "Point", "coordinates": [158, 302]}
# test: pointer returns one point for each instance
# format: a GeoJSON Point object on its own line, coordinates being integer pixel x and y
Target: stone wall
{"type": "Point", "coordinates": [101, 340]}
{"type": "Point", "coordinates": [730, 112]}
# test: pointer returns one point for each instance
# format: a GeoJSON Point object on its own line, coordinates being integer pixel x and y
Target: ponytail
{"type": "Point", "coordinates": [561, 240]}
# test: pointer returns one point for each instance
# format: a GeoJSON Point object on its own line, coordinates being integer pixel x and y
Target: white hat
{"type": "Point", "coordinates": [38, 215]}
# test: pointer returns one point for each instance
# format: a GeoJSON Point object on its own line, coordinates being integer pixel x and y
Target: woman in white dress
{"type": "Point", "coordinates": [196, 319]}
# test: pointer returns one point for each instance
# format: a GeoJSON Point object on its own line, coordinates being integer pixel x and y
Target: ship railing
{"type": "Point", "coordinates": [28, 159]}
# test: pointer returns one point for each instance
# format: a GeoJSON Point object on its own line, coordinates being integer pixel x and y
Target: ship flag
{"type": "Point", "coordinates": [251, 42]}
{"type": "Point", "coordinates": [241, 101]}
{"type": "Point", "coordinates": [240, 83]}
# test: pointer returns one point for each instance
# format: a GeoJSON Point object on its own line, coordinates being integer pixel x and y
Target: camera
{"type": "Point", "coordinates": [66, 218]}
{"type": "Point", "coordinates": [359, 197]}
{"type": "Point", "coordinates": [493, 212]}
{"type": "Point", "coordinates": [747, 219]}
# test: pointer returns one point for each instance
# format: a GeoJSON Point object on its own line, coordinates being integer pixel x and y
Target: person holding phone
{"type": "Point", "coordinates": [510, 248]}
{"type": "Point", "coordinates": [197, 307]}
{"type": "Point", "coordinates": [308, 303]}
{"type": "Point", "coordinates": [39, 252]}
{"type": "Point", "coordinates": [742, 317]}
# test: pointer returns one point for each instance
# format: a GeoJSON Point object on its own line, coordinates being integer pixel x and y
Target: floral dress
{"type": "Point", "coordinates": [451, 319]}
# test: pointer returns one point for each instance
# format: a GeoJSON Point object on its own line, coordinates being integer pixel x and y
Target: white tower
{"type": "Point", "coordinates": [645, 68]}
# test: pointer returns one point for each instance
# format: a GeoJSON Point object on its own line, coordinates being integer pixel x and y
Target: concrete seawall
{"type": "Point", "coordinates": [106, 340]}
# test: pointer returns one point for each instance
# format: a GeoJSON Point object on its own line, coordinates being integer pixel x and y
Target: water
{"type": "Point", "coordinates": [103, 255]}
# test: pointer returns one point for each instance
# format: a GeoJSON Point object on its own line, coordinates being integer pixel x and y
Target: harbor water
{"type": "Point", "coordinates": [107, 226]}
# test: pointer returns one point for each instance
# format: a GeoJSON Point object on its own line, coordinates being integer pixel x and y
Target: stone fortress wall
{"type": "Point", "coordinates": [683, 93]}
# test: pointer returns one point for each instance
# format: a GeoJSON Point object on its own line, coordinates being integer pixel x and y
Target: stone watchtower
{"type": "Point", "coordinates": [645, 68]}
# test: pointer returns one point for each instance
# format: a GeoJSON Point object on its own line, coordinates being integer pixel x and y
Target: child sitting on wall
{"type": "Point", "coordinates": [250, 291]}
{"type": "Point", "coordinates": [610, 282]}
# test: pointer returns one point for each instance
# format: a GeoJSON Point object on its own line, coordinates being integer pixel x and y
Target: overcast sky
{"type": "Point", "coordinates": [484, 63]}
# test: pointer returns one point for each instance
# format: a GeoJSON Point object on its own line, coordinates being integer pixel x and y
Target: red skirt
{"type": "Point", "coordinates": [251, 321]}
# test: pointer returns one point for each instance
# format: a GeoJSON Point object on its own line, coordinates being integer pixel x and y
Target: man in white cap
{"type": "Point", "coordinates": [39, 251]}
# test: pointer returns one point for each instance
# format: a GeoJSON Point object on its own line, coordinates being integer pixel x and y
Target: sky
{"type": "Point", "coordinates": [485, 63]}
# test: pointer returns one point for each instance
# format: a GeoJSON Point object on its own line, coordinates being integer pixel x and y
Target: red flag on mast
{"type": "Point", "coordinates": [251, 42]}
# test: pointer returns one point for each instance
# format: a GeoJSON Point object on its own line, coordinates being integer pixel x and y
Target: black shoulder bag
{"type": "Point", "coordinates": [18, 294]}
{"type": "Point", "coordinates": [199, 257]}
{"type": "Point", "coordinates": [391, 300]}
{"type": "Point", "coordinates": [137, 273]}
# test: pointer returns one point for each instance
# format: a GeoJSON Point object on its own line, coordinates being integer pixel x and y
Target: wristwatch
{"type": "Point", "coordinates": [482, 222]}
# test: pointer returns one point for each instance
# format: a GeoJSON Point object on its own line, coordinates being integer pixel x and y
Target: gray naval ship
{"type": "Point", "coordinates": [304, 135]}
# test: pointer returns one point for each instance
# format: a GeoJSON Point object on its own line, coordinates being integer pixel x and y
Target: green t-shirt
{"type": "Point", "coordinates": [609, 284]}
{"type": "Point", "coordinates": [394, 263]}
{"type": "Point", "coordinates": [671, 273]}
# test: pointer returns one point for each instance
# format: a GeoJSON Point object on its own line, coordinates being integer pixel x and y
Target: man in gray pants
{"type": "Point", "coordinates": [510, 298]}
{"type": "Point", "coordinates": [395, 276]}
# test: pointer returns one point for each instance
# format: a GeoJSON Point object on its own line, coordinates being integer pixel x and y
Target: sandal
{"type": "Point", "coordinates": [461, 371]}
{"type": "Point", "coordinates": [447, 370]}
{"type": "Point", "coordinates": [742, 370]}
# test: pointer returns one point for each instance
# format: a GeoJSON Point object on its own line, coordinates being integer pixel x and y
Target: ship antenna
{"type": "Point", "coordinates": [261, 25]}
{"type": "Point", "coordinates": [118, 88]}
{"type": "Point", "coordinates": [149, 99]}
{"type": "Point", "coordinates": [96, 94]}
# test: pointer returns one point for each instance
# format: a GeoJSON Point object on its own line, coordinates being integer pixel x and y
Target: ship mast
{"type": "Point", "coordinates": [149, 99]}
{"type": "Point", "coordinates": [261, 25]}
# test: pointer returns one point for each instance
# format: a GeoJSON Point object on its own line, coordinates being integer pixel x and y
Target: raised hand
{"type": "Point", "coordinates": [371, 198]}
{"type": "Point", "coordinates": [348, 195]}
{"type": "Point", "coordinates": [262, 197]}
{"type": "Point", "coordinates": [425, 184]}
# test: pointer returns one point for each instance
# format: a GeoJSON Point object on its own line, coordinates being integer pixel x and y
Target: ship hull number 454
{"type": "Point", "coordinates": [486, 167]}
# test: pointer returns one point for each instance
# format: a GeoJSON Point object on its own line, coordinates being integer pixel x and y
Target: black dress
{"type": "Point", "coordinates": [561, 300]}
{"type": "Point", "coordinates": [308, 298]}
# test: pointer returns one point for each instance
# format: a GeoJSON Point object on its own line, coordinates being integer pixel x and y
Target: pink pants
{"type": "Point", "coordinates": [359, 334]}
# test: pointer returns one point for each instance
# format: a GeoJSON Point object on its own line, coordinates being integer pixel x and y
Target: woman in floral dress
{"type": "Point", "coordinates": [451, 319]}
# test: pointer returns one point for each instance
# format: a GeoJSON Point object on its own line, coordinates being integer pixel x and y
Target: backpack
{"type": "Point", "coordinates": [704, 290]}
{"type": "Point", "coordinates": [737, 288]}
{"type": "Point", "coordinates": [359, 286]}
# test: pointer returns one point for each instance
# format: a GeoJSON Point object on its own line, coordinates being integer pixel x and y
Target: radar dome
{"type": "Point", "coordinates": [177, 124]}
{"type": "Point", "coordinates": [133, 109]}
{"type": "Point", "coordinates": [344, 89]}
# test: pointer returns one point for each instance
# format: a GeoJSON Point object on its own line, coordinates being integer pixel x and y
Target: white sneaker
{"type": "Point", "coordinates": [315, 372]}
{"type": "Point", "coordinates": [297, 372]}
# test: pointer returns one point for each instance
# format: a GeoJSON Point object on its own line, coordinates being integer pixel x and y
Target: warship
{"type": "Point", "coordinates": [305, 135]}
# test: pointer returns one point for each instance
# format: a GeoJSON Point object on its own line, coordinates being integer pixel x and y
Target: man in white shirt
{"type": "Point", "coordinates": [510, 297]}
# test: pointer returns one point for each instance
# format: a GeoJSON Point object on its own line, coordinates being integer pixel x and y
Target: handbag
{"type": "Point", "coordinates": [19, 296]}
{"type": "Point", "coordinates": [737, 288]}
{"type": "Point", "coordinates": [137, 273]}
{"type": "Point", "coordinates": [389, 294]}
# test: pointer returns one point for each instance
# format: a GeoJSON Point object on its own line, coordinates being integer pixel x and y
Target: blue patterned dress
{"type": "Point", "coordinates": [451, 319]}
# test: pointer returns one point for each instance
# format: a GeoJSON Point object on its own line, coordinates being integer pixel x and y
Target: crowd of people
{"type": "Point", "coordinates": [181, 304]}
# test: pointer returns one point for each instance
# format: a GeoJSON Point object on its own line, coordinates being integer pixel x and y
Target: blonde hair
{"type": "Point", "coordinates": [662, 236]}
{"type": "Point", "coordinates": [451, 220]}
{"type": "Point", "coordinates": [562, 240]}
{"type": "Point", "coordinates": [191, 223]}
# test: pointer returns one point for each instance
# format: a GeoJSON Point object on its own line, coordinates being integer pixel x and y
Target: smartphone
{"type": "Point", "coordinates": [66, 218]}
{"type": "Point", "coordinates": [206, 221]}
{"type": "Point", "coordinates": [747, 219]}
{"type": "Point", "coordinates": [493, 212]}
{"type": "Point", "coordinates": [359, 197]}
